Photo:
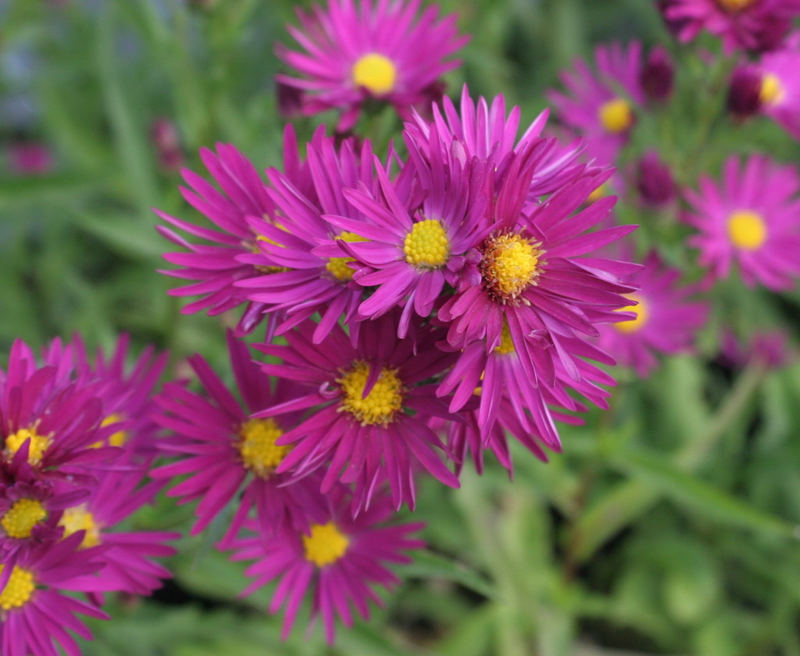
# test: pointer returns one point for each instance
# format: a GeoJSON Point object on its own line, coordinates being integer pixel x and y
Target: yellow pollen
{"type": "Point", "coordinates": [772, 91]}
{"type": "Point", "coordinates": [257, 446]}
{"type": "Point", "coordinates": [735, 6]}
{"type": "Point", "coordinates": [22, 517]}
{"type": "Point", "coordinates": [510, 264]}
{"type": "Point", "coordinates": [506, 341]}
{"type": "Point", "coordinates": [18, 590]}
{"type": "Point", "coordinates": [747, 230]}
{"type": "Point", "coordinates": [337, 266]}
{"type": "Point", "coordinates": [325, 545]}
{"type": "Point", "coordinates": [116, 439]}
{"type": "Point", "coordinates": [616, 115]}
{"type": "Point", "coordinates": [384, 400]}
{"type": "Point", "coordinates": [641, 312]}
{"type": "Point", "coordinates": [427, 245]}
{"type": "Point", "coordinates": [38, 445]}
{"type": "Point", "coordinates": [376, 73]}
{"type": "Point", "coordinates": [79, 519]}
{"type": "Point", "coordinates": [597, 194]}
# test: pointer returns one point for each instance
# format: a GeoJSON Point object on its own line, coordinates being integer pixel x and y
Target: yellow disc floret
{"type": "Point", "coordinates": [747, 230]}
{"type": "Point", "coordinates": [616, 115]}
{"type": "Point", "coordinates": [427, 245]}
{"type": "Point", "coordinates": [506, 345]}
{"type": "Point", "coordinates": [18, 590]}
{"type": "Point", "coordinates": [641, 312]}
{"type": "Point", "coordinates": [257, 446]}
{"type": "Point", "coordinates": [22, 517]}
{"type": "Point", "coordinates": [338, 266]}
{"type": "Point", "coordinates": [117, 439]}
{"type": "Point", "coordinates": [772, 91]}
{"type": "Point", "coordinates": [601, 192]}
{"type": "Point", "coordinates": [375, 72]}
{"type": "Point", "coordinates": [38, 444]}
{"type": "Point", "coordinates": [384, 400]}
{"type": "Point", "coordinates": [735, 6]}
{"type": "Point", "coordinates": [79, 519]}
{"type": "Point", "coordinates": [325, 545]}
{"type": "Point", "coordinates": [510, 264]}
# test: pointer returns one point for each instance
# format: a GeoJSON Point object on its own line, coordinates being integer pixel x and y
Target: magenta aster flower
{"type": "Point", "coordinates": [411, 252]}
{"type": "Point", "coordinates": [770, 348]}
{"type": "Point", "coordinates": [34, 614]}
{"type": "Point", "coordinates": [779, 87]}
{"type": "Point", "coordinates": [665, 320]}
{"type": "Point", "coordinates": [216, 267]}
{"type": "Point", "coordinates": [751, 218]}
{"type": "Point", "coordinates": [338, 563]}
{"type": "Point", "coordinates": [364, 50]}
{"type": "Point", "coordinates": [373, 401]}
{"type": "Point", "coordinates": [601, 106]}
{"type": "Point", "coordinates": [312, 278]}
{"type": "Point", "coordinates": [226, 446]}
{"type": "Point", "coordinates": [126, 557]}
{"type": "Point", "coordinates": [756, 25]}
{"type": "Point", "coordinates": [31, 159]}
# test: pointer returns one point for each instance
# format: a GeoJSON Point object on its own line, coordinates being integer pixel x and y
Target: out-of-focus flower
{"type": "Point", "coordinates": [34, 614]}
{"type": "Point", "coordinates": [666, 321]}
{"type": "Point", "coordinates": [756, 25]}
{"type": "Point", "coordinates": [30, 159]}
{"type": "Point", "coordinates": [356, 51]}
{"type": "Point", "coordinates": [338, 563]}
{"type": "Point", "coordinates": [601, 104]}
{"type": "Point", "coordinates": [654, 181]}
{"type": "Point", "coordinates": [373, 401]}
{"type": "Point", "coordinates": [225, 446]}
{"type": "Point", "coordinates": [164, 134]}
{"type": "Point", "coordinates": [658, 74]}
{"type": "Point", "coordinates": [744, 91]}
{"type": "Point", "coordinates": [751, 218]}
{"type": "Point", "coordinates": [770, 349]}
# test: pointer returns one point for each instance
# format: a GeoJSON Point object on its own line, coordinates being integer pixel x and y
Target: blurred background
{"type": "Point", "coordinates": [667, 526]}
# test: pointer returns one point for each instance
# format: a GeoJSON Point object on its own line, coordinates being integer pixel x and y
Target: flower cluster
{"type": "Point", "coordinates": [78, 439]}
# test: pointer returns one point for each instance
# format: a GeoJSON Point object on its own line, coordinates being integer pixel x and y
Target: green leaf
{"type": "Point", "coordinates": [430, 565]}
{"type": "Point", "coordinates": [128, 237]}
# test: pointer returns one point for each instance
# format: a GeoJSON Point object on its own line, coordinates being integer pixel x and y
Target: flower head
{"type": "Point", "coordinates": [751, 218]}
{"type": "Point", "coordinates": [338, 563]}
{"type": "Point", "coordinates": [357, 51]}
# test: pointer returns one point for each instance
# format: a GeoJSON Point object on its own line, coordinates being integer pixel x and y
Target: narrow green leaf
{"type": "Point", "coordinates": [428, 564]}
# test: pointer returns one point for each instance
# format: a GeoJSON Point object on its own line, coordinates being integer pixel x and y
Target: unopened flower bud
{"type": "Point", "coordinates": [655, 181]}
{"type": "Point", "coordinates": [744, 92]}
{"type": "Point", "coordinates": [658, 75]}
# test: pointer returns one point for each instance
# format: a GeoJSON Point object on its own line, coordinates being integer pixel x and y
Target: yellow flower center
{"type": "Point", "coordinates": [510, 264]}
{"type": "Point", "coordinates": [38, 445]}
{"type": "Point", "coordinates": [325, 545]}
{"type": "Point", "coordinates": [772, 91]}
{"type": "Point", "coordinates": [616, 115]}
{"type": "Point", "coordinates": [79, 519]}
{"type": "Point", "coordinates": [506, 345]}
{"type": "Point", "coordinates": [384, 400]}
{"type": "Point", "coordinates": [641, 312]}
{"type": "Point", "coordinates": [376, 73]}
{"type": "Point", "coordinates": [18, 590]}
{"type": "Point", "coordinates": [257, 446]}
{"type": "Point", "coordinates": [427, 245]}
{"type": "Point", "coordinates": [116, 439]}
{"type": "Point", "coordinates": [747, 230]}
{"type": "Point", "coordinates": [253, 245]}
{"type": "Point", "coordinates": [735, 6]}
{"type": "Point", "coordinates": [337, 266]}
{"type": "Point", "coordinates": [601, 192]}
{"type": "Point", "coordinates": [22, 517]}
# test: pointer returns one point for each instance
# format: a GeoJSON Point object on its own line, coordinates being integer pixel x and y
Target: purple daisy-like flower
{"type": "Point", "coordinates": [216, 267]}
{"type": "Point", "coordinates": [225, 446]}
{"type": "Point", "coordinates": [601, 106]}
{"type": "Point", "coordinates": [339, 563]}
{"type": "Point", "coordinates": [751, 218]}
{"type": "Point", "coordinates": [769, 348]}
{"type": "Point", "coordinates": [371, 423]}
{"type": "Point", "coordinates": [411, 252]}
{"type": "Point", "coordinates": [779, 86]}
{"type": "Point", "coordinates": [126, 557]}
{"type": "Point", "coordinates": [34, 614]}
{"type": "Point", "coordinates": [364, 50]}
{"type": "Point", "coordinates": [666, 321]}
{"type": "Point", "coordinates": [313, 278]}
{"type": "Point", "coordinates": [757, 25]}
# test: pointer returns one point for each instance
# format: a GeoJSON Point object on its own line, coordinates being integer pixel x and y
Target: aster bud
{"type": "Point", "coordinates": [654, 181]}
{"type": "Point", "coordinates": [744, 92]}
{"type": "Point", "coordinates": [164, 136]}
{"type": "Point", "coordinates": [657, 75]}
{"type": "Point", "coordinates": [290, 100]}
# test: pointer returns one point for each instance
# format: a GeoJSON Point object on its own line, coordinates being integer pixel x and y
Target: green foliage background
{"type": "Point", "coordinates": [668, 525]}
